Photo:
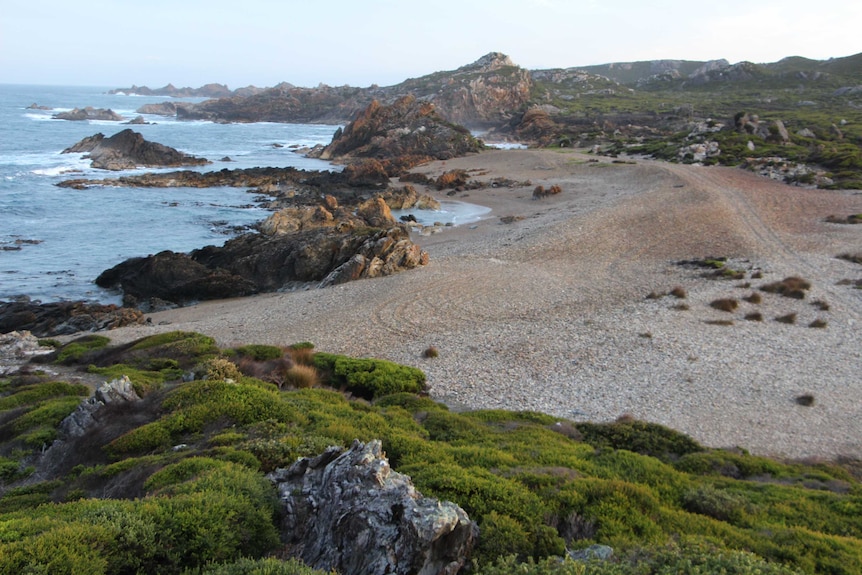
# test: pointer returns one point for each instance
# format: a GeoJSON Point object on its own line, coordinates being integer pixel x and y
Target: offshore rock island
{"type": "Point", "coordinates": [643, 360]}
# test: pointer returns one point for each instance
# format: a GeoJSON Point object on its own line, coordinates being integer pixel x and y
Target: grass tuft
{"type": "Point", "coordinates": [725, 304]}
{"type": "Point", "coordinates": [806, 399]}
{"type": "Point", "coordinates": [789, 318]}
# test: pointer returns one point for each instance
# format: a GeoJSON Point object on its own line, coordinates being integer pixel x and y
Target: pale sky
{"type": "Point", "coordinates": [263, 42]}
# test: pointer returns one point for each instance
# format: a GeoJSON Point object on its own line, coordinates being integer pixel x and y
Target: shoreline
{"type": "Point", "coordinates": [549, 312]}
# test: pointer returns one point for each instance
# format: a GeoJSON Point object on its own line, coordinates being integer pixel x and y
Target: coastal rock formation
{"type": "Point", "coordinates": [347, 511]}
{"type": "Point", "coordinates": [482, 94]}
{"type": "Point", "coordinates": [408, 128]}
{"type": "Point", "coordinates": [127, 150]}
{"type": "Point", "coordinates": [253, 263]}
{"type": "Point", "coordinates": [65, 317]}
{"type": "Point", "coordinates": [89, 113]}
{"type": "Point", "coordinates": [205, 91]}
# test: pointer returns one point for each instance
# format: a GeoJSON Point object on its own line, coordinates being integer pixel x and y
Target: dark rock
{"type": "Point", "coordinates": [63, 318]}
{"type": "Point", "coordinates": [173, 277]}
{"type": "Point", "coordinates": [89, 113]}
{"type": "Point", "coordinates": [128, 149]}
{"type": "Point", "coordinates": [347, 511]}
{"type": "Point", "coordinates": [253, 263]}
{"type": "Point", "coordinates": [35, 106]}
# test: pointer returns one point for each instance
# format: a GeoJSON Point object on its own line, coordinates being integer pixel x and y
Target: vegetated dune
{"type": "Point", "coordinates": [550, 311]}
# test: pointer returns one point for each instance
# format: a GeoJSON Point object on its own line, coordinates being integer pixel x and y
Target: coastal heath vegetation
{"type": "Point", "coordinates": [175, 484]}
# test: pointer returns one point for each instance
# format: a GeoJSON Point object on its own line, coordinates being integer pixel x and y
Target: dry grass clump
{"type": "Point", "coordinates": [681, 307]}
{"type": "Point", "coordinates": [756, 275]}
{"type": "Point", "coordinates": [754, 316]}
{"type": "Point", "coordinates": [754, 298]}
{"type": "Point", "coordinates": [301, 377]}
{"type": "Point", "coordinates": [806, 399]}
{"type": "Point", "coordinates": [678, 292]}
{"type": "Point", "coordinates": [430, 352]}
{"type": "Point", "coordinates": [820, 304]}
{"type": "Point", "coordinates": [787, 318]}
{"type": "Point", "coordinates": [792, 287]}
{"type": "Point", "coordinates": [301, 355]}
{"type": "Point", "coordinates": [719, 321]}
{"type": "Point", "coordinates": [654, 295]}
{"type": "Point", "coordinates": [724, 304]}
{"type": "Point", "coordinates": [271, 370]}
{"type": "Point", "coordinates": [540, 191]}
{"type": "Point", "coordinates": [818, 323]}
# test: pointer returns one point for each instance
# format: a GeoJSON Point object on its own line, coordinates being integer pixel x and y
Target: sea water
{"type": "Point", "coordinates": [55, 241]}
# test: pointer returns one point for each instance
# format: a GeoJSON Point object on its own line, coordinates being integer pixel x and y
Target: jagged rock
{"type": "Point", "coordinates": [253, 263]}
{"type": "Point", "coordinates": [347, 511]}
{"type": "Point", "coordinates": [35, 106]}
{"type": "Point", "coordinates": [291, 220]}
{"type": "Point", "coordinates": [407, 197]}
{"type": "Point", "coordinates": [128, 149]}
{"type": "Point", "coordinates": [174, 278]}
{"type": "Point", "coordinates": [16, 349]}
{"type": "Point", "coordinates": [376, 213]}
{"type": "Point", "coordinates": [89, 113]}
{"type": "Point", "coordinates": [65, 317]}
{"type": "Point", "coordinates": [407, 128]}
{"type": "Point", "coordinates": [84, 417]}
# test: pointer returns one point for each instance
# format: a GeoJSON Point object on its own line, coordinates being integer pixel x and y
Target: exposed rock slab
{"type": "Point", "coordinates": [128, 150]}
{"type": "Point", "coordinates": [348, 511]}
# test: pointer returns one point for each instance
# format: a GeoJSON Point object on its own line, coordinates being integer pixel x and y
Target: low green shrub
{"type": "Point", "coordinates": [260, 352]}
{"type": "Point", "coordinates": [640, 437]}
{"type": "Point", "coordinates": [73, 351]}
{"type": "Point", "coordinates": [263, 567]}
{"type": "Point", "coordinates": [369, 378]}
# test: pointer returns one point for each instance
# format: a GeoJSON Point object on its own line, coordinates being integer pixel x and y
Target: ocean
{"type": "Point", "coordinates": [54, 242]}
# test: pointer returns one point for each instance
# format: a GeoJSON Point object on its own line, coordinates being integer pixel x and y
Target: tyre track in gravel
{"type": "Point", "coordinates": [776, 248]}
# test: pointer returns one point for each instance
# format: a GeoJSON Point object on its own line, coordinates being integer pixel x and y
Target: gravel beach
{"type": "Point", "coordinates": [551, 311]}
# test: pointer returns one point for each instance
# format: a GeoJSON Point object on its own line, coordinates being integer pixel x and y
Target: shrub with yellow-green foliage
{"type": "Point", "coordinates": [533, 483]}
{"type": "Point", "coordinates": [369, 378]}
{"type": "Point", "coordinates": [218, 512]}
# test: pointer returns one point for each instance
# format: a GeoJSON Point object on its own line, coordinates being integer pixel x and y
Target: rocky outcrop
{"type": "Point", "coordinates": [128, 150]}
{"type": "Point", "coordinates": [89, 113]}
{"type": "Point", "coordinates": [17, 348]}
{"type": "Point", "coordinates": [85, 416]}
{"type": "Point", "coordinates": [347, 511]}
{"type": "Point", "coordinates": [65, 317]}
{"type": "Point", "coordinates": [253, 263]}
{"type": "Point", "coordinates": [408, 128]}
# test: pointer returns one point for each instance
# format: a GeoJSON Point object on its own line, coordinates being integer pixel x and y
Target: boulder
{"type": "Point", "coordinates": [347, 511]}
{"type": "Point", "coordinates": [376, 213]}
{"type": "Point", "coordinates": [128, 149]}
{"type": "Point", "coordinates": [406, 197]}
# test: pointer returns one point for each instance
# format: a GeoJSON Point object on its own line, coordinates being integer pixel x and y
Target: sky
{"type": "Point", "coordinates": [118, 43]}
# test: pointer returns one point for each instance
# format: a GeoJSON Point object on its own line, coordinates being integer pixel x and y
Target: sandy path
{"type": "Point", "coordinates": [549, 313]}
